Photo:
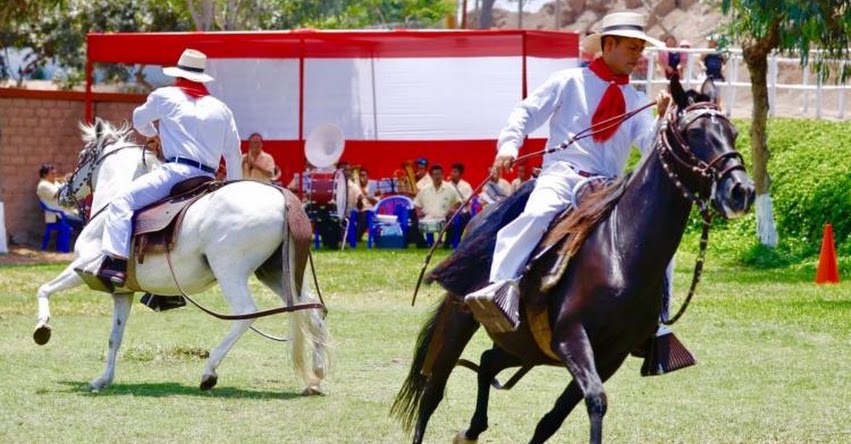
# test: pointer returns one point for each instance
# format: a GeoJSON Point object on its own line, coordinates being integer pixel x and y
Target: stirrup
{"type": "Point", "coordinates": [496, 306]}
{"type": "Point", "coordinates": [665, 354]}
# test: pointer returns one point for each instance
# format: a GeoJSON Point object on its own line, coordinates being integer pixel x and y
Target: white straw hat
{"type": "Point", "coordinates": [190, 66]}
{"type": "Point", "coordinates": [623, 24]}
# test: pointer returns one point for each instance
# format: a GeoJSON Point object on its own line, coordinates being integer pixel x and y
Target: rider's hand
{"type": "Point", "coordinates": [663, 100]}
{"type": "Point", "coordinates": [502, 163]}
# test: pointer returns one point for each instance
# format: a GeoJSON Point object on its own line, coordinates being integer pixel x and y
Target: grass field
{"type": "Point", "coordinates": [773, 348]}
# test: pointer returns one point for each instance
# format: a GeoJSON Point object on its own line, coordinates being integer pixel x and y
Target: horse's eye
{"type": "Point", "coordinates": [695, 133]}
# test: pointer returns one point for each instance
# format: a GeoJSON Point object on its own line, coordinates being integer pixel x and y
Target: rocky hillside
{"type": "Point", "coordinates": [685, 19]}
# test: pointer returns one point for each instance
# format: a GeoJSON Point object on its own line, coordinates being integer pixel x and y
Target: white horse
{"type": "Point", "coordinates": [225, 236]}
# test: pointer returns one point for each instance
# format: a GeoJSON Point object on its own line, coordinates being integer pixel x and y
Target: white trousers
{"type": "Point", "coordinates": [145, 190]}
{"type": "Point", "coordinates": [554, 192]}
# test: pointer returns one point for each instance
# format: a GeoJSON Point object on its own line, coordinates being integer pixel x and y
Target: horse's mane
{"type": "Point", "coordinates": [109, 131]}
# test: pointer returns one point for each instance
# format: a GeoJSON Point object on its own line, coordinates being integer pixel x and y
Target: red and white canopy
{"type": "Point", "coordinates": [397, 95]}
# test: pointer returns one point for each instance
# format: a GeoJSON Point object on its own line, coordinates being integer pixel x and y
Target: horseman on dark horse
{"type": "Point", "coordinates": [586, 289]}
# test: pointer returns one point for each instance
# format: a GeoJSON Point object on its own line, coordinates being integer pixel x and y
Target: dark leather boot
{"type": "Point", "coordinates": [113, 271]}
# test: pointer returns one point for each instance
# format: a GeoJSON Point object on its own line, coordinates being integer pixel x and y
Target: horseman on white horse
{"type": "Point", "coordinates": [225, 236]}
{"type": "Point", "coordinates": [195, 131]}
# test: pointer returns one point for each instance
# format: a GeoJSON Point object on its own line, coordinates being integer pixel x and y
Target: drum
{"type": "Point", "coordinates": [431, 225]}
{"type": "Point", "coordinates": [327, 190]}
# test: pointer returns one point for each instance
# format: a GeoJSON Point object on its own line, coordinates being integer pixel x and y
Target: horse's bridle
{"type": "Point", "coordinates": [92, 154]}
{"type": "Point", "coordinates": [677, 160]}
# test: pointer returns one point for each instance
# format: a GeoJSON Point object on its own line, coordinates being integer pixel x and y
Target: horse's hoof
{"type": "Point", "coordinates": [97, 385]}
{"type": "Point", "coordinates": [208, 382]}
{"type": "Point", "coordinates": [41, 335]}
{"type": "Point", "coordinates": [461, 438]}
{"type": "Point", "coordinates": [312, 391]}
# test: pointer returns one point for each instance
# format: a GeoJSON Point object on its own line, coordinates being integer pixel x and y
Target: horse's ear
{"type": "Point", "coordinates": [677, 92]}
{"type": "Point", "coordinates": [98, 128]}
{"type": "Point", "coordinates": [710, 90]}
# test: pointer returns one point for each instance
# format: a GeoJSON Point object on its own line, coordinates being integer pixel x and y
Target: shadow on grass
{"type": "Point", "coordinates": [163, 389]}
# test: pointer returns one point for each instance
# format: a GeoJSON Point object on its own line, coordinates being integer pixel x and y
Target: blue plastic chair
{"type": "Point", "coordinates": [400, 206]}
{"type": "Point", "coordinates": [61, 227]}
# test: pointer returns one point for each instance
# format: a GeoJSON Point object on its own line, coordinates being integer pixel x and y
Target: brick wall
{"type": "Point", "coordinates": [38, 127]}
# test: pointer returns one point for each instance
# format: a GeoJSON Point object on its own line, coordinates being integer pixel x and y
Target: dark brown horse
{"type": "Point", "coordinates": [607, 302]}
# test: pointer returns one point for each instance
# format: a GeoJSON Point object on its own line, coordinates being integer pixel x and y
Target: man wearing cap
{"type": "Point", "coordinates": [423, 179]}
{"type": "Point", "coordinates": [195, 129]}
{"type": "Point", "coordinates": [572, 100]}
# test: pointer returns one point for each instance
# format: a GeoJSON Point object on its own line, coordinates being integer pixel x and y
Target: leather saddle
{"type": "Point", "coordinates": [155, 226]}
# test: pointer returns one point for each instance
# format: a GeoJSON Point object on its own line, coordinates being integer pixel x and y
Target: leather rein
{"type": "Point", "coordinates": [675, 158]}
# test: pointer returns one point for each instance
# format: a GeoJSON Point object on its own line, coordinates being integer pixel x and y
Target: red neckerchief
{"type": "Point", "coordinates": [612, 103]}
{"type": "Point", "coordinates": [192, 89]}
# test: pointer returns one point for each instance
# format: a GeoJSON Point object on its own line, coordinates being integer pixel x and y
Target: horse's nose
{"type": "Point", "coordinates": [742, 196]}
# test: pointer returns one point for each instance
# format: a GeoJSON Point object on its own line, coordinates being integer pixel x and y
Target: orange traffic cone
{"type": "Point", "coordinates": [827, 271]}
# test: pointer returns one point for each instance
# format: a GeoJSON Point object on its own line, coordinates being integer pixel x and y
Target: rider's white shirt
{"type": "Point", "coordinates": [568, 99]}
{"type": "Point", "coordinates": [201, 129]}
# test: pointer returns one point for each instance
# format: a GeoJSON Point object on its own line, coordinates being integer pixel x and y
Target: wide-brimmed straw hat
{"type": "Point", "coordinates": [623, 24]}
{"type": "Point", "coordinates": [190, 66]}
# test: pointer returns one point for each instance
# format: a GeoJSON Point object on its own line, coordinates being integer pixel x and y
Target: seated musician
{"type": "Point", "coordinates": [365, 198]}
{"type": "Point", "coordinates": [438, 199]}
{"type": "Point", "coordinates": [464, 190]}
{"type": "Point", "coordinates": [257, 164]}
{"type": "Point", "coordinates": [420, 175]}
{"type": "Point", "coordinates": [195, 129]}
{"type": "Point", "coordinates": [48, 192]}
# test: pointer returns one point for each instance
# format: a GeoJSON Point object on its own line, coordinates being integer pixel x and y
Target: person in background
{"type": "Point", "coordinates": [436, 200]}
{"type": "Point", "coordinates": [640, 73]}
{"type": "Point", "coordinates": [420, 169]}
{"type": "Point", "coordinates": [366, 197]}
{"type": "Point", "coordinates": [257, 164]}
{"type": "Point", "coordinates": [713, 63]}
{"type": "Point", "coordinates": [522, 176]}
{"type": "Point", "coordinates": [48, 192]}
{"type": "Point", "coordinates": [496, 189]}
{"type": "Point", "coordinates": [670, 61]}
{"type": "Point", "coordinates": [464, 190]}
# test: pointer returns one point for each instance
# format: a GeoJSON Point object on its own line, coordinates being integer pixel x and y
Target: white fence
{"type": "Point", "coordinates": [796, 86]}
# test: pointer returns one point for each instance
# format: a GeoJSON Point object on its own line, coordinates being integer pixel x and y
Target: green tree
{"type": "Point", "coordinates": [765, 26]}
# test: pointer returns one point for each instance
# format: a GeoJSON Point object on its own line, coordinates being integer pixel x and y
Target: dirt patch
{"type": "Point", "coordinates": [23, 255]}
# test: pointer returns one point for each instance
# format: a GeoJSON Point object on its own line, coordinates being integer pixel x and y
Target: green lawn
{"type": "Point", "coordinates": [773, 349]}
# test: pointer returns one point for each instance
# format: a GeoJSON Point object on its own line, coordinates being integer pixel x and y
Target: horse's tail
{"type": "Point", "coordinates": [406, 405]}
{"type": "Point", "coordinates": [306, 325]}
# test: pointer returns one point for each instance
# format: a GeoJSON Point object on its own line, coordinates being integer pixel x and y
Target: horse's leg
{"type": "Point", "coordinates": [571, 344]}
{"type": "Point", "coordinates": [67, 279]}
{"type": "Point", "coordinates": [310, 324]}
{"type": "Point", "coordinates": [234, 285]}
{"type": "Point", "coordinates": [305, 325]}
{"type": "Point", "coordinates": [122, 303]}
{"type": "Point", "coordinates": [459, 328]}
{"type": "Point", "coordinates": [491, 363]}
{"type": "Point", "coordinates": [552, 421]}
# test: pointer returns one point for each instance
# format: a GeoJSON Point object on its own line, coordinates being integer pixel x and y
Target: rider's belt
{"type": "Point", "coordinates": [193, 163]}
{"type": "Point", "coordinates": [581, 173]}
